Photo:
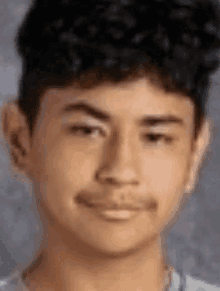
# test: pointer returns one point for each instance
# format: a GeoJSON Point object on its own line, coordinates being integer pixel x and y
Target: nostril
{"type": "Point", "coordinates": [111, 180]}
{"type": "Point", "coordinates": [118, 176]}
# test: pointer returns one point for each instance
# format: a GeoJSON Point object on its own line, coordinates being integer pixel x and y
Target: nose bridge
{"type": "Point", "coordinates": [122, 148]}
{"type": "Point", "coordinates": [121, 160]}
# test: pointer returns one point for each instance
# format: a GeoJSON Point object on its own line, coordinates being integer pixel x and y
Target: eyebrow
{"type": "Point", "coordinates": [150, 120]}
{"type": "Point", "coordinates": [88, 109]}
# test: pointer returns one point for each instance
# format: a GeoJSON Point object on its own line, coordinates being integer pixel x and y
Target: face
{"type": "Point", "coordinates": [111, 162]}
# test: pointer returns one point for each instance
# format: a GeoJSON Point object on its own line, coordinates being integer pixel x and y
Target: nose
{"type": "Point", "coordinates": [120, 164]}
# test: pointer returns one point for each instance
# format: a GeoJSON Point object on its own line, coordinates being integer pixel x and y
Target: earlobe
{"type": "Point", "coordinates": [16, 133]}
{"type": "Point", "coordinates": [199, 153]}
{"type": "Point", "coordinates": [10, 119]}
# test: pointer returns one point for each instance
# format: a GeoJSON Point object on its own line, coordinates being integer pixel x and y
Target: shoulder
{"type": "Point", "coordinates": [190, 284]}
{"type": "Point", "coordinates": [195, 284]}
{"type": "Point", "coordinates": [12, 283]}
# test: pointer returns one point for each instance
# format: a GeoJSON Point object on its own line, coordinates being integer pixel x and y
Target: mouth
{"type": "Point", "coordinates": [108, 205]}
{"type": "Point", "coordinates": [110, 211]}
{"type": "Point", "coordinates": [117, 215]}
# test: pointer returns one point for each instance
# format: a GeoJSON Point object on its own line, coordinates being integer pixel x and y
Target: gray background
{"type": "Point", "coordinates": [193, 242]}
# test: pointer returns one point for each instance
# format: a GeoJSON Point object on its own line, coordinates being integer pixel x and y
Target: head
{"type": "Point", "coordinates": [142, 143]}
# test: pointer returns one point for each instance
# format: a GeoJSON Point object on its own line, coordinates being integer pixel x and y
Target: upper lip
{"type": "Point", "coordinates": [109, 205]}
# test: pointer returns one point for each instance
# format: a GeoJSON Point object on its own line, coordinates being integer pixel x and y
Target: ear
{"type": "Point", "coordinates": [16, 132]}
{"type": "Point", "coordinates": [198, 154]}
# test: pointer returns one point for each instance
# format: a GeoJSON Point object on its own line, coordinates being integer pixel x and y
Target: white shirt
{"type": "Point", "coordinates": [14, 283]}
{"type": "Point", "coordinates": [191, 284]}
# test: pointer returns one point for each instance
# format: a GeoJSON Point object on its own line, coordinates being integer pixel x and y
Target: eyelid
{"type": "Point", "coordinates": [158, 134]}
{"type": "Point", "coordinates": [167, 138]}
{"type": "Point", "coordinates": [169, 132]}
{"type": "Point", "coordinates": [102, 129]}
{"type": "Point", "coordinates": [87, 124]}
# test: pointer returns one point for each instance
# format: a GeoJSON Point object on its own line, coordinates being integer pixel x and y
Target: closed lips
{"type": "Point", "coordinates": [109, 205]}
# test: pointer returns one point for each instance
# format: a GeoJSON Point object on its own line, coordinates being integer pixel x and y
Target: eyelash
{"type": "Point", "coordinates": [153, 137]}
{"type": "Point", "coordinates": [85, 128]}
{"type": "Point", "coordinates": [167, 138]}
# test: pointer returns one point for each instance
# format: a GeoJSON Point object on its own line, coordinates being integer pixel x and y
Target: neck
{"type": "Point", "coordinates": [75, 266]}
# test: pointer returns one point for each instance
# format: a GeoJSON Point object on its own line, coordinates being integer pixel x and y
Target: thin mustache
{"type": "Point", "coordinates": [107, 204]}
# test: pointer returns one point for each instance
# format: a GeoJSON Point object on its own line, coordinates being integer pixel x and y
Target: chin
{"type": "Point", "coordinates": [115, 249]}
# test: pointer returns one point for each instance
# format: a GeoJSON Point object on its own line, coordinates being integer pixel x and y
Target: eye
{"type": "Point", "coordinates": [86, 130]}
{"type": "Point", "coordinates": [154, 138]}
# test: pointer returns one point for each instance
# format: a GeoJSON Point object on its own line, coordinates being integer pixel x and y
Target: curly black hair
{"type": "Point", "coordinates": [89, 42]}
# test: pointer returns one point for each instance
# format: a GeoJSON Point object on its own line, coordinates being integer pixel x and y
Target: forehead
{"type": "Point", "coordinates": [128, 98]}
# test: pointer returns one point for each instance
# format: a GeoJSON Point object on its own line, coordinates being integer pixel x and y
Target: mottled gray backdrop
{"type": "Point", "coordinates": [194, 241]}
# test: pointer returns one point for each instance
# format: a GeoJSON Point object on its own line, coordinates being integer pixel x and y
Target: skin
{"type": "Point", "coordinates": [117, 163]}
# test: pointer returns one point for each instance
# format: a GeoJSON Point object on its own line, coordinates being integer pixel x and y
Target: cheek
{"type": "Point", "coordinates": [67, 168]}
{"type": "Point", "coordinates": [166, 179]}
{"type": "Point", "coordinates": [168, 174]}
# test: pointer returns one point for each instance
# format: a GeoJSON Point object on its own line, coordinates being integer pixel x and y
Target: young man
{"type": "Point", "coordinates": [110, 128]}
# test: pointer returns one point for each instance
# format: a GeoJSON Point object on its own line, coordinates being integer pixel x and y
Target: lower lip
{"type": "Point", "coordinates": [116, 215]}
